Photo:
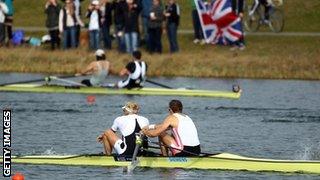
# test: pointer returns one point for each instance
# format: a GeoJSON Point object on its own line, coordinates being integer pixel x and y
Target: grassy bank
{"type": "Point", "coordinates": [265, 57]}
{"type": "Point", "coordinates": [300, 16]}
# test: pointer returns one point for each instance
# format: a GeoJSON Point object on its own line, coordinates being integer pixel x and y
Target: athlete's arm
{"type": "Point", "coordinates": [159, 128]}
{"type": "Point", "coordinates": [89, 69]}
{"type": "Point", "coordinates": [130, 68]}
{"type": "Point", "coordinates": [124, 72]}
{"type": "Point", "coordinates": [113, 128]}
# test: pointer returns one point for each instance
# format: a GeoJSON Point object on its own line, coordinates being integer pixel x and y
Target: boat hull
{"type": "Point", "coordinates": [223, 161]}
{"type": "Point", "coordinates": [35, 88]}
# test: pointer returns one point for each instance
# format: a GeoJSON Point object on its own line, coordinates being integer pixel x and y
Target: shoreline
{"type": "Point", "coordinates": [292, 58]}
{"type": "Point", "coordinates": [213, 77]}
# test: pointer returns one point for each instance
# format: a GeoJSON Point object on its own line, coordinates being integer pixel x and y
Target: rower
{"type": "Point", "coordinates": [98, 69]}
{"type": "Point", "coordinates": [136, 72]}
{"type": "Point", "coordinates": [129, 124]}
{"type": "Point", "coordinates": [183, 139]}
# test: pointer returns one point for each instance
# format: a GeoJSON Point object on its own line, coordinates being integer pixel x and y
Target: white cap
{"type": "Point", "coordinates": [99, 52]}
{"type": "Point", "coordinates": [131, 107]}
{"type": "Point", "coordinates": [95, 2]}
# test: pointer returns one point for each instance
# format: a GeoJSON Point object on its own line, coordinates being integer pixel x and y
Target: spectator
{"type": "Point", "coordinates": [237, 8]}
{"type": "Point", "coordinates": [106, 10]}
{"type": "Point", "coordinates": [119, 6]}
{"type": "Point", "coordinates": [94, 14]}
{"type": "Point", "coordinates": [9, 18]}
{"type": "Point", "coordinates": [198, 34]}
{"type": "Point", "coordinates": [3, 11]}
{"type": "Point", "coordinates": [77, 6]}
{"type": "Point", "coordinates": [155, 27]}
{"type": "Point", "coordinates": [68, 20]}
{"type": "Point", "coordinates": [173, 17]}
{"type": "Point", "coordinates": [131, 26]}
{"type": "Point", "coordinates": [52, 9]}
{"type": "Point", "coordinates": [145, 15]}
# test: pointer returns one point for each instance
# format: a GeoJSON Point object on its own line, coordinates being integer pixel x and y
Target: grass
{"type": "Point", "coordinates": [300, 16]}
{"type": "Point", "coordinates": [265, 57]}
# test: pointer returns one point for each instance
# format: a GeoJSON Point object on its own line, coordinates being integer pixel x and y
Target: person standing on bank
{"type": "Point", "coordinates": [145, 15]}
{"type": "Point", "coordinates": [77, 5]}
{"type": "Point", "coordinates": [68, 21]}
{"type": "Point", "coordinates": [52, 9]}
{"type": "Point", "coordinates": [95, 22]}
{"type": "Point", "coordinates": [237, 8]}
{"type": "Point", "coordinates": [3, 11]}
{"type": "Point", "coordinates": [172, 12]}
{"type": "Point", "coordinates": [198, 33]}
{"type": "Point", "coordinates": [119, 20]}
{"type": "Point", "coordinates": [135, 71]}
{"type": "Point", "coordinates": [155, 27]}
{"type": "Point", "coordinates": [9, 19]}
{"type": "Point", "coordinates": [98, 69]}
{"type": "Point", "coordinates": [131, 26]}
{"type": "Point", "coordinates": [106, 10]}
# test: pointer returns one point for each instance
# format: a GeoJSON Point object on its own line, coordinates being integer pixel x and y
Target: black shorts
{"type": "Point", "coordinates": [189, 151]}
{"type": "Point", "coordinates": [86, 82]}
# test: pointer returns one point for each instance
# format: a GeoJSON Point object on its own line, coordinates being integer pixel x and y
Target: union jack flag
{"type": "Point", "coordinates": [219, 24]}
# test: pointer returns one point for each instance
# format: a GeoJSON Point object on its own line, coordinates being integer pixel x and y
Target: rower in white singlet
{"type": "Point", "coordinates": [98, 69]}
{"type": "Point", "coordinates": [183, 139]}
{"type": "Point", "coordinates": [128, 125]}
{"type": "Point", "coordinates": [135, 71]}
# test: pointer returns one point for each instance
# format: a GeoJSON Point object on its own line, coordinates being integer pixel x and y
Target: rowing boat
{"type": "Point", "coordinates": [39, 88]}
{"type": "Point", "coordinates": [222, 161]}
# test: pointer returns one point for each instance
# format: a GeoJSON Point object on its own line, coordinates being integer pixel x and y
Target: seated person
{"type": "Point", "coordinates": [135, 71]}
{"type": "Point", "coordinates": [98, 69]}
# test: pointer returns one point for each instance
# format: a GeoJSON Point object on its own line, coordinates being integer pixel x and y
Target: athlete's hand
{"type": "Point", "coordinates": [99, 138]}
{"type": "Point", "coordinates": [144, 130]}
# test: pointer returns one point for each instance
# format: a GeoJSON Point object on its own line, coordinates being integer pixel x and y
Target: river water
{"type": "Point", "coordinates": [277, 119]}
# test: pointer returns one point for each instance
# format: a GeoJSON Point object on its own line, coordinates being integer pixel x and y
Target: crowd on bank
{"type": "Point", "coordinates": [123, 16]}
{"type": "Point", "coordinates": [130, 23]}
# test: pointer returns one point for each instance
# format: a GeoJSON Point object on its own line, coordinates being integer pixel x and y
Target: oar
{"type": "Point", "coordinates": [34, 80]}
{"type": "Point", "coordinates": [135, 161]}
{"type": "Point", "coordinates": [66, 81]}
{"type": "Point", "coordinates": [159, 84]}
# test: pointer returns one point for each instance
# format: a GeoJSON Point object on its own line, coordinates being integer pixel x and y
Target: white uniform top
{"type": "Point", "coordinates": [138, 76]}
{"type": "Point", "coordinates": [126, 124]}
{"type": "Point", "coordinates": [186, 134]}
{"type": "Point", "coordinates": [98, 77]}
{"type": "Point", "coordinates": [139, 71]}
{"type": "Point", "coordinates": [94, 21]}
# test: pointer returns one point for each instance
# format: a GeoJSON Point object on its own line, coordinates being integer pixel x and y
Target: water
{"type": "Point", "coordinates": [273, 119]}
